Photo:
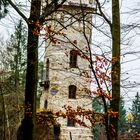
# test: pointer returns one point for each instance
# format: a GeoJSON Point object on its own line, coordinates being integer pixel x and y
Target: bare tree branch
{"type": "Point", "coordinates": [17, 10]}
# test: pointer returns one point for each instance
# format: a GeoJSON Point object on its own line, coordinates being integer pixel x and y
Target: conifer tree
{"type": "Point", "coordinates": [122, 116]}
{"type": "Point", "coordinates": [135, 110]}
{"type": "Point", "coordinates": [16, 50]}
{"type": "Point", "coordinates": [97, 107]}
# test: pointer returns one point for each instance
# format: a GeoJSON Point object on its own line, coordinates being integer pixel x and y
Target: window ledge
{"type": "Point", "coordinates": [72, 99]}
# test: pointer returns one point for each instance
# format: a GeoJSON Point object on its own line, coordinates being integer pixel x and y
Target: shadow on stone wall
{"type": "Point", "coordinates": [47, 128]}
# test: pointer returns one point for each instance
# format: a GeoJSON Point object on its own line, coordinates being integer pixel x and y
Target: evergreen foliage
{"type": "Point", "coordinates": [135, 110]}
{"type": "Point", "coordinates": [97, 107]}
{"type": "Point", "coordinates": [122, 116]}
{"type": "Point", "coordinates": [16, 49]}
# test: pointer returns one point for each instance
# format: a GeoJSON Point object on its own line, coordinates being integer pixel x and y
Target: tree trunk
{"type": "Point", "coordinates": [115, 66]}
{"type": "Point", "coordinates": [28, 124]}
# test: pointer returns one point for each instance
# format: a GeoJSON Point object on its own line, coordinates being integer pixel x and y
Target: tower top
{"type": "Point", "coordinates": [86, 5]}
{"type": "Point", "coordinates": [76, 4]}
{"type": "Point", "coordinates": [80, 2]}
{"type": "Point", "coordinates": [86, 2]}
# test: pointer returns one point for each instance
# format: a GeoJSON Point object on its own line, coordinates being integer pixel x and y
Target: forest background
{"type": "Point", "coordinates": [130, 51]}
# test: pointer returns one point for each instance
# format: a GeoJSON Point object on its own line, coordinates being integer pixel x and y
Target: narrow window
{"type": "Point", "coordinates": [73, 58]}
{"type": "Point", "coordinates": [47, 69]}
{"type": "Point", "coordinates": [72, 92]}
{"type": "Point", "coordinates": [70, 122]}
{"type": "Point", "coordinates": [45, 104]}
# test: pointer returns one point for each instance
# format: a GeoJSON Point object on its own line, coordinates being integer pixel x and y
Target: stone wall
{"type": "Point", "coordinates": [61, 76]}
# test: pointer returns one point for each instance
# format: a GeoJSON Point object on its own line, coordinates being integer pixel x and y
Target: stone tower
{"type": "Point", "coordinates": [66, 71]}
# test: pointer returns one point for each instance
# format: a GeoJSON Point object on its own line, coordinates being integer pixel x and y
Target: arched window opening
{"type": "Point", "coordinates": [73, 58]}
{"type": "Point", "coordinates": [47, 69]}
{"type": "Point", "coordinates": [45, 104]}
{"type": "Point", "coordinates": [70, 122]}
{"type": "Point", "coordinates": [72, 92]}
